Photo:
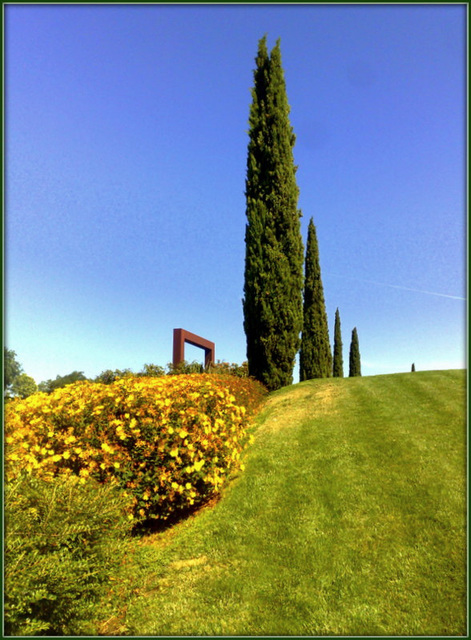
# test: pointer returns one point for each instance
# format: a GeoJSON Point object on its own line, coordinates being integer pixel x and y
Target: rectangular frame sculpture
{"type": "Point", "coordinates": [180, 336]}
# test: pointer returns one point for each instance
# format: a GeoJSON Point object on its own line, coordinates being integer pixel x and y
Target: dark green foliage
{"type": "Point", "coordinates": [152, 371]}
{"type": "Point", "coordinates": [23, 386]}
{"type": "Point", "coordinates": [108, 376]}
{"type": "Point", "coordinates": [355, 363]}
{"type": "Point", "coordinates": [273, 276]}
{"type": "Point", "coordinates": [61, 381]}
{"type": "Point", "coordinates": [15, 381]}
{"type": "Point", "coordinates": [413, 367]}
{"type": "Point", "coordinates": [315, 359]}
{"type": "Point", "coordinates": [63, 540]}
{"type": "Point", "coordinates": [185, 367]}
{"type": "Point", "coordinates": [233, 369]}
{"type": "Point", "coordinates": [148, 371]}
{"type": "Point", "coordinates": [11, 368]}
{"type": "Point", "coordinates": [338, 348]}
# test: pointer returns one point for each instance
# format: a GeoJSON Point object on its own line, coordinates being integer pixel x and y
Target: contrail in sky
{"type": "Point", "coordinates": [397, 286]}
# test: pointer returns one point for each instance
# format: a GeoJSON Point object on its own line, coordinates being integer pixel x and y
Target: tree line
{"type": "Point", "coordinates": [283, 305]}
{"type": "Point", "coordinates": [18, 384]}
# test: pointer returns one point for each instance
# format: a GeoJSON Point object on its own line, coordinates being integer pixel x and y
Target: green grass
{"type": "Point", "coordinates": [349, 519]}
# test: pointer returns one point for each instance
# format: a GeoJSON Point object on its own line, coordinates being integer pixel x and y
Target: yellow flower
{"type": "Point", "coordinates": [66, 455]}
{"type": "Point", "coordinates": [183, 434]}
{"type": "Point", "coordinates": [198, 465]}
{"type": "Point", "coordinates": [174, 485]}
{"type": "Point", "coordinates": [174, 452]}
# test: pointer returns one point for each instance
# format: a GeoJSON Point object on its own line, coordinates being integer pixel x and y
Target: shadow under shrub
{"type": "Point", "coordinates": [63, 541]}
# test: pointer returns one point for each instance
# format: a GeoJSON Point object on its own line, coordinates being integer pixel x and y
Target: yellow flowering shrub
{"type": "Point", "coordinates": [247, 392]}
{"type": "Point", "coordinates": [169, 441]}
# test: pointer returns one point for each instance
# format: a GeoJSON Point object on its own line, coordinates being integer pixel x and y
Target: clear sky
{"type": "Point", "coordinates": [126, 145]}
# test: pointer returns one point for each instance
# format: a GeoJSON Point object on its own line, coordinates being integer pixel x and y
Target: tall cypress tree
{"type": "Point", "coordinates": [315, 359]}
{"type": "Point", "coordinates": [355, 364]}
{"type": "Point", "coordinates": [338, 348]}
{"type": "Point", "coordinates": [273, 275]}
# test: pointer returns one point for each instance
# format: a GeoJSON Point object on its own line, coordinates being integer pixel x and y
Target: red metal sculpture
{"type": "Point", "coordinates": [180, 336]}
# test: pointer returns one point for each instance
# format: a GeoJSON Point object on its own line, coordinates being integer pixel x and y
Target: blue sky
{"type": "Point", "coordinates": [126, 144]}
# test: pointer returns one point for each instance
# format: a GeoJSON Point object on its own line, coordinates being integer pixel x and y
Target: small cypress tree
{"type": "Point", "coordinates": [273, 276]}
{"type": "Point", "coordinates": [315, 359]}
{"type": "Point", "coordinates": [413, 367]}
{"type": "Point", "coordinates": [355, 364]}
{"type": "Point", "coordinates": [338, 348]}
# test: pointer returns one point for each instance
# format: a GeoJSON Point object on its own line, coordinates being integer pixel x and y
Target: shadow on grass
{"type": "Point", "coordinates": [158, 525]}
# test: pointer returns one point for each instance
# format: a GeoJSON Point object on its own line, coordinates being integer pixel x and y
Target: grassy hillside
{"type": "Point", "coordinates": [349, 519]}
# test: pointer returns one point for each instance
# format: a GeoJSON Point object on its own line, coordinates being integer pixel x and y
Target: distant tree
{"type": "Point", "coordinates": [315, 358]}
{"type": "Point", "coordinates": [152, 370]}
{"type": "Point", "coordinates": [185, 367]}
{"type": "Point", "coordinates": [108, 376]}
{"type": "Point", "coordinates": [413, 367]}
{"type": "Point", "coordinates": [355, 364]}
{"type": "Point", "coordinates": [105, 377]}
{"type": "Point", "coordinates": [233, 369]}
{"type": "Point", "coordinates": [23, 386]}
{"type": "Point", "coordinates": [273, 276]}
{"type": "Point", "coordinates": [11, 368]}
{"type": "Point", "coordinates": [338, 348]}
{"type": "Point", "coordinates": [61, 381]}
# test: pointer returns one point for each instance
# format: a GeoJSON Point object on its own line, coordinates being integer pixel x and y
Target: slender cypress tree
{"type": "Point", "coordinates": [338, 348]}
{"type": "Point", "coordinates": [315, 359]}
{"type": "Point", "coordinates": [273, 275]}
{"type": "Point", "coordinates": [355, 364]}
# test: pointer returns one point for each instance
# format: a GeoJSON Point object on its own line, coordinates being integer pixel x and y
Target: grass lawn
{"type": "Point", "coordinates": [349, 519]}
